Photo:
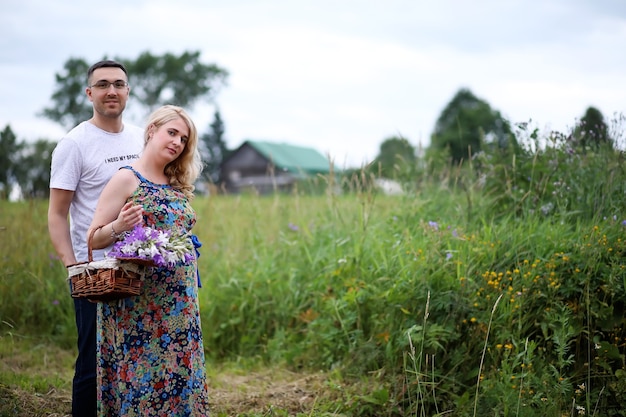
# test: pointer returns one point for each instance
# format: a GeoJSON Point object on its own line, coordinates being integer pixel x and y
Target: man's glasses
{"type": "Point", "coordinates": [104, 84]}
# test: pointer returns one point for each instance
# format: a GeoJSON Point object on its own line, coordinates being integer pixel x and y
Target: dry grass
{"type": "Point", "coordinates": [230, 394]}
{"type": "Point", "coordinates": [19, 402]}
{"type": "Point", "coordinates": [259, 392]}
{"type": "Point", "coordinates": [35, 382]}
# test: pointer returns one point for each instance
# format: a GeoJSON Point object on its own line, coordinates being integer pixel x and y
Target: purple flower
{"type": "Point", "coordinates": [434, 225]}
{"type": "Point", "coordinates": [159, 246]}
{"type": "Point", "coordinates": [448, 256]}
{"type": "Point", "coordinates": [293, 227]}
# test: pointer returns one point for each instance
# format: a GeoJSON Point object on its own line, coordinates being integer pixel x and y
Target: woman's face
{"type": "Point", "coordinates": [171, 138]}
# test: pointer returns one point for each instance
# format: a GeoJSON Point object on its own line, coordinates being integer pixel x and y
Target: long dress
{"type": "Point", "coordinates": [150, 353]}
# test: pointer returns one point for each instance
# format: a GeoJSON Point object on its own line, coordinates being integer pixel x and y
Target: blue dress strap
{"type": "Point", "coordinates": [137, 174]}
{"type": "Point", "coordinates": [197, 244]}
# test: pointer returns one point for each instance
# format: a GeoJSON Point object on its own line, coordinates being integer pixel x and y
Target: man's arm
{"type": "Point", "coordinates": [58, 225]}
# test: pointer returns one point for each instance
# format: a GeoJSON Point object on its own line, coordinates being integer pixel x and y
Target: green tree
{"type": "Point", "coordinates": [154, 80]}
{"type": "Point", "coordinates": [33, 173]}
{"type": "Point", "coordinates": [171, 79]}
{"type": "Point", "coordinates": [70, 104]}
{"type": "Point", "coordinates": [395, 159]}
{"type": "Point", "coordinates": [213, 149]}
{"type": "Point", "coordinates": [592, 130]}
{"type": "Point", "coordinates": [467, 123]}
{"type": "Point", "coordinates": [9, 160]}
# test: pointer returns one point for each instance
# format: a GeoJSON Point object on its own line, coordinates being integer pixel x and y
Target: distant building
{"type": "Point", "coordinates": [265, 167]}
{"type": "Point", "coordinates": [389, 187]}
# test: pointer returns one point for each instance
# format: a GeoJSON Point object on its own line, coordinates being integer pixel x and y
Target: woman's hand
{"type": "Point", "coordinates": [129, 217]}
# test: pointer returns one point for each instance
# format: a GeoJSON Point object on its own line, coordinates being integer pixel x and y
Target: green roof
{"type": "Point", "coordinates": [292, 158]}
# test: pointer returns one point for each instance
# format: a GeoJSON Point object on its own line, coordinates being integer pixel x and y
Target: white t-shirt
{"type": "Point", "coordinates": [84, 161]}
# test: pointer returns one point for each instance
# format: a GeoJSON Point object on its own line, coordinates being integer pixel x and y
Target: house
{"type": "Point", "coordinates": [265, 167]}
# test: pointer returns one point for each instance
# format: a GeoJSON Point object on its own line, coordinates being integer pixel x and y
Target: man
{"type": "Point", "coordinates": [82, 163]}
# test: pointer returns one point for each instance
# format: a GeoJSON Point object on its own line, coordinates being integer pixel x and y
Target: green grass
{"type": "Point", "coordinates": [392, 300]}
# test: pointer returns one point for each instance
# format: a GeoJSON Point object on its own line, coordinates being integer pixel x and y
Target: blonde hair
{"type": "Point", "coordinates": [184, 170]}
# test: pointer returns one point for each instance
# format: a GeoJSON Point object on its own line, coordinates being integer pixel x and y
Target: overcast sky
{"type": "Point", "coordinates": [340, 76]}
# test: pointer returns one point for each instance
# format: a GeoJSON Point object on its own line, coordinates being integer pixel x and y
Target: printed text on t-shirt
{"type": "Point", "coordinates": [121, 158]}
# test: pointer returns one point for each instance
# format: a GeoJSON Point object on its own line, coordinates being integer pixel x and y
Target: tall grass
{"type": "Point", "coordinates": [33, 287]}
{"type": "Point", "coordinates": [402, 287]}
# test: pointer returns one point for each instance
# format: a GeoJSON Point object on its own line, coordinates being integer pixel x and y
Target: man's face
{"type": "Point", "coordinates": [108, 91]}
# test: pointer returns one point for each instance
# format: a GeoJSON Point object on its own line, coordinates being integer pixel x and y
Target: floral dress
{"type": "Point", "coordinates": [150, 354]}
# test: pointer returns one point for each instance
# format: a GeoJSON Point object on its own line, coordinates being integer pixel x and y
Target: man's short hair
{"type": "Point", "coordinates": [107, 63]}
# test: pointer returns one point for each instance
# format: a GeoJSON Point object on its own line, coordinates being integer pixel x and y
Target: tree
{"type": "Point", "coordinates": [213, 149]}
{"type": "Point", "coordinates": [592, 130]}
{"type": "Point", "coordinates": [175, 80]}
{"type": "Point", "coordinates": [154, 81]}
{"type": "Point", "coordinates": [9, 160]}
{"type": "Point", "coordinates": [468, 122]}
{"type": "Point", "coordinates": [70, 104]}
{"type": "Point", "coordinates": [396, 157]}
{"type": "Point", "coordinates": [33, 174]}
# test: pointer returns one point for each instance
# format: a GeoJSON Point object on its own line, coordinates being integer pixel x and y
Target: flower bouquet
{"type": "Point", "coordinates": [147, 246]}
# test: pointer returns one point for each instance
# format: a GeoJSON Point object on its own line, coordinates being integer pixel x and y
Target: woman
{"type": "Point", "coordinates": [150, 351]}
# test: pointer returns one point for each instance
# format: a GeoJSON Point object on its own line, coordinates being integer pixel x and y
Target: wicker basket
{"type": "Point", "coordinates": [106, 280]}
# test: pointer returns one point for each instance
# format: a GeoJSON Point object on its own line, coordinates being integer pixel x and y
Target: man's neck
{"type": "Point", "coordinates": [108, 125]}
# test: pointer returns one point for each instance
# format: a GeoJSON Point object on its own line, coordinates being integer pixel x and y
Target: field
{"type": "Point", "coordinates": [500, 296]}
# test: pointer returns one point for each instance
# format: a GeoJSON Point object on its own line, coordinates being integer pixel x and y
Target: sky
{"type": "Point", "coordinates": [339, 76]}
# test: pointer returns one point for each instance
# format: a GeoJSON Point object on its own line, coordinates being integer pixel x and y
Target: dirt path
{"type": "Point", "coordinates": [230, 394]}
{"type": "Point", "coordinates": [261, 392]}
{"type": "Point", "coordinates": [44, 373]}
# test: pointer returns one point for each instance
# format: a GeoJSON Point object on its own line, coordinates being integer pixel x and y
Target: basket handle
{"type": "Point", "coordinates": [89, 248]}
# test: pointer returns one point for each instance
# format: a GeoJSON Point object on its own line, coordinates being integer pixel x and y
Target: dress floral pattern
{"type": "Point", "coordinates": [150, 352]}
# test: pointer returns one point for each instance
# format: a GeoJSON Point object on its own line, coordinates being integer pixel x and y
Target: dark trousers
{"type": "Point", "coordinates": [84, 401]}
